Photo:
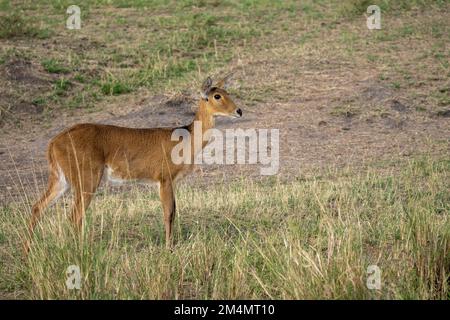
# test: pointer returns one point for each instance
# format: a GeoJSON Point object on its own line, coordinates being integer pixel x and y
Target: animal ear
{"type": "Point", "coordinates": [225, 82]}
{"type": "Point", "coordinates": [206, 87]}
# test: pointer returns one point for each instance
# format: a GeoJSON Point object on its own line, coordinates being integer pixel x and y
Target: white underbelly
{"type": "Point", "coordinates": [117, 180]}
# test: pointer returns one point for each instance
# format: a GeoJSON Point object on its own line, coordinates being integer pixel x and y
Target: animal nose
{"type": "Point", "coordinates": [239, 112]}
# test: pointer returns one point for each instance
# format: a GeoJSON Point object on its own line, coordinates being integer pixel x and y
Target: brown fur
{"type": "Point", "coordinates": [81, 154]}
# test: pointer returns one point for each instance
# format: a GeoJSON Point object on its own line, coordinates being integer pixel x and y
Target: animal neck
{"type": "Point", "coordinates": [205, 118]}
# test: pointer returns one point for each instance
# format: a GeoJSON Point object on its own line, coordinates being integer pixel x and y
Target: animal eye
{"type": "Point", "coordinates": [217, 97]}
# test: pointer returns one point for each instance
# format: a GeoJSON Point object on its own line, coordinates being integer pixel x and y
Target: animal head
{"type": "Point", "coordinates": [218, 101]}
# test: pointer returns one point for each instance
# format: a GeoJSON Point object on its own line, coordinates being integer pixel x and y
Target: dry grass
{"type": "Point", "coordinates": [306, 239]}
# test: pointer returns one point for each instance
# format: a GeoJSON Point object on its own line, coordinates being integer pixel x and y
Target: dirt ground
{"type": "Point", "coordinates": [333, 109]}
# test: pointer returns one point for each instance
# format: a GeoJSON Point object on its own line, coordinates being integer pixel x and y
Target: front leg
{"type": "Point", "coordinates": [168, 205]}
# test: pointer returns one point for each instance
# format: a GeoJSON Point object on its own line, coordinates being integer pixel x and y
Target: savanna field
{"type": "Point", "coordinates": [364, 176]}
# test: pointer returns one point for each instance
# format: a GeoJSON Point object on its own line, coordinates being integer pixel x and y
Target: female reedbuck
{"type": "Point", "coordinates": [79, 156]}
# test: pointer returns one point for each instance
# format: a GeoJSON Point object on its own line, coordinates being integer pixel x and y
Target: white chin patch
{"type": "Point", "coordinates": [225, 115]}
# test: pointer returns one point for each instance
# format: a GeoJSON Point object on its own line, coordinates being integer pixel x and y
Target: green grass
{"type": "Point", "coordinates": [40, 101]}
{"type": "Point", "coordinates": [62, 85]}
{"type": "Point", "coordinates": [352, 8]}
{"type": "Point", "coordinates": [308, 238]}
{"type": "Point", "coordinates": [396, 85]}
{"type": "Point", "coordinates": [16, 25]}
{"type": "Point", "coordinates": [156, 44]}
{"type": "Point", "coordinates": [54, 66]}
{"type": "Point", "coordinates": [162, 48]}
{"type": "Point", "coordinates": [115, 88]}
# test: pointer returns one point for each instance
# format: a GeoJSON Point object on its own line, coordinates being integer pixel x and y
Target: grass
{"type": "Point", "coordinates": [15, 24]}
{"type": "Point", "coordinates": [115, 88]}
{"type": "Point", "coordinates": [127, 45]}
{"type": "Point", "coordinates": [54, 66]}
{"type": "Point", "coordinates": [161, 48]}
{"type": "Point", "coordinates": [346, 111]}
{"type": "Point", "coordinates": [352, 8]}
{"type": "Point", "coordinates": [303, 239]}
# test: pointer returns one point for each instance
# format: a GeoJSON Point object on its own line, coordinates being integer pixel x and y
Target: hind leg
{"type": "Point", "coordinates": [85, 185]}
{"type": "Point", "coordinates": [57, 185]}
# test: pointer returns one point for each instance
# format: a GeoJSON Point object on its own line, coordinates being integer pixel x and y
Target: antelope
{"type": "Point", "coordinates": [80, 156]}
